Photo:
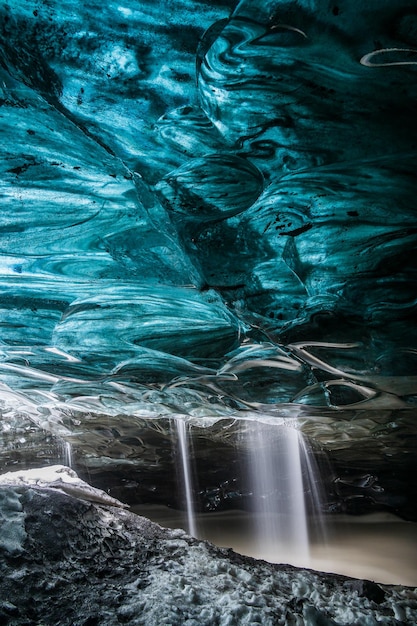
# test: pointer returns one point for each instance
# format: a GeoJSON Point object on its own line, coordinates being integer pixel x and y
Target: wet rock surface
{"type": "Point", "coordinates": [364, 458]}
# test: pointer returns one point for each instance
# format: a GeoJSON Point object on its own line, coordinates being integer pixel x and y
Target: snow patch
{"type": "Point", "coordinates": [62, 478]}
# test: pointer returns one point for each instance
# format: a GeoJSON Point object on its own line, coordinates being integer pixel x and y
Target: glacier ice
{"type": "Point", "coordinates": [208, 209]}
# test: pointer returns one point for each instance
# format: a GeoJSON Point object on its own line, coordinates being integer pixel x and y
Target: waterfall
{"type": "Point", "coordinates": [67, 453]}
{"type": "Point", "coordinates": [313, 490]}
{"type": "Point", "coordinates": [186, 474]}
{"type": "Point", "coordinates": [279, 468]}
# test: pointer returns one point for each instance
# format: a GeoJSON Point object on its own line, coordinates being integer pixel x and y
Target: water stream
{"type": "Point", "coordinates": [284, 482]}
{"type": "Point", "coordinates": [67, 454]}
{"type": "Point", "coordinates": [186, 474]}
{"type": "Point", "coordinates": [314, 494]}
{"type": "Point", "coordinates": [276, 480]}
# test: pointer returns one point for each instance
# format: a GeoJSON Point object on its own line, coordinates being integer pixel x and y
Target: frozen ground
{"type": "Point", "coordinates": [68, 561]}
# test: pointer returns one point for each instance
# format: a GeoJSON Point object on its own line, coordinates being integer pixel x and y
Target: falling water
{"type": "Point", "coordinates": [67, 454]}
{"type": "Point", "coordinates": [313, 490]}
{"type": "Point", "coordinates": [276, 476]}
{"type": "Point", "coordinates": [186, 475]}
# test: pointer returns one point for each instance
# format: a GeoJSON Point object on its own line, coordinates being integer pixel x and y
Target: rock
{"type": "Point", "coordinates": [368, 589]}
{"type": "Point", "coordinates": [88, 563]}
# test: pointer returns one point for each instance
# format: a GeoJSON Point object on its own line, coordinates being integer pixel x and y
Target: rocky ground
{"type": "Point", "coordinates": [66, 560]}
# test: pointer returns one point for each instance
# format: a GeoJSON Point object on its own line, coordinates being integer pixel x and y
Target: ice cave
{"type": "Point", "coordinates": [208, 288]}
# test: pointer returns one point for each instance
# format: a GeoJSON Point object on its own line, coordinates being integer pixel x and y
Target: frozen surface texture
{"type": "Point", "coordinates": [82, 563]}
{"type": "Point", "coordinates": [58, 477]}
{"type": "Point", "coordinates": [209, 208]}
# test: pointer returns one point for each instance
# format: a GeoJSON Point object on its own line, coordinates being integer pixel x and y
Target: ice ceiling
{"type": "Point", "coordinates": [209, 210]}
